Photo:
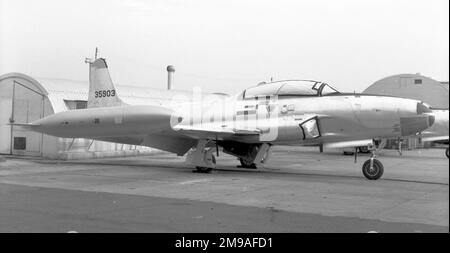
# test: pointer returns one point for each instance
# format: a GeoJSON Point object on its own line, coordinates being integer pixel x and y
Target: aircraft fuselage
{"type": "Point", "coordinates": [337, 117]}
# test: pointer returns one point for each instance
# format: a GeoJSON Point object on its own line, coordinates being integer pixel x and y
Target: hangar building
{"type": "Point", "coordinates": [414, 86]}
{"type": "Point", "coordinates": [24, 99]}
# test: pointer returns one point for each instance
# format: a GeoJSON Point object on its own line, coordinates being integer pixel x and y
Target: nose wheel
{"type": "Point", "coordinates": [373, 169]}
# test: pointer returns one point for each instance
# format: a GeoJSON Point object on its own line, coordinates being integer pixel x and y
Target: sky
{"type": "Point", "coordinates": [227, 45]}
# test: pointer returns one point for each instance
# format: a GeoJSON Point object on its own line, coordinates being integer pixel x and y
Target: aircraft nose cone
{"type": "Point", "coordinates": [423, 108]}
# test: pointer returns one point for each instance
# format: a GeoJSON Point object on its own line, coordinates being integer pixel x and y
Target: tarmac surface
{"type": "Point", "coordinates": [299, 190]}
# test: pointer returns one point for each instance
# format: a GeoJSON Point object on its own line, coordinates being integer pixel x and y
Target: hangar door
{"type": "Point", "coordinates": [5, 129]}
{"type": "Point", "coordinates": [27, 106]}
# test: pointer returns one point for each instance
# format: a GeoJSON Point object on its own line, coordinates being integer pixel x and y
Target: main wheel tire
{"type": "Point", "coordinates": [203, 169]}
{"type": "Point", "coordinates": [206, 169]}
{"type": "Point", "coordinates": [364, 150]}
{"type": "Point", "coordinates": [373, 173]}
{"type": "Point", "coordinates": [349, 153]}
{"type": "Point", "coordinates": [247, 163]}
{"type": "Point", "coordinates": [446, 152]}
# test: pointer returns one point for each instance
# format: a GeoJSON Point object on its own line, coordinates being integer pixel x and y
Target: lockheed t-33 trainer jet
{"type": "Point", "coordinates": [293, 112]}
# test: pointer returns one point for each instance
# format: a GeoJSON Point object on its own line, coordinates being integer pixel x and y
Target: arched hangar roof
{"type": "Point", "coordinates": [58, 90]}
{"type": "Point", "coordinates": [413, 86]}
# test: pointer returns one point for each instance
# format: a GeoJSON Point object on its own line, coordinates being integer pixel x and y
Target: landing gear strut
{"type": "Point", "coordinates": [373, 169]}
{"type": "Point", "coordinates": [262, 156]}
{"type": "Point", "coordinates": [202, 157]}
{"type": "Point", "coordinates": [200, 169]}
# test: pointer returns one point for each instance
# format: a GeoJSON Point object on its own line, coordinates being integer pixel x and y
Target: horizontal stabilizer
{"type": "Point", "coordinates": [25, 125]}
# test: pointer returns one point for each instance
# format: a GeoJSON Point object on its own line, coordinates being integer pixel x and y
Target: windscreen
{"type": "Point", "coordinates": [284, 88]}
{"type": "Point", "coordinates": [299, 88]}
{"type": "Point", "coordinates": [328, 90]}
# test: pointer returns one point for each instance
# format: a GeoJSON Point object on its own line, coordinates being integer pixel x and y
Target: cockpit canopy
{"type": "Point", "coordinates": [290, 88]}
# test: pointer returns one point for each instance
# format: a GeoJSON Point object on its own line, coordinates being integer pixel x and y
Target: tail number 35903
{"type": "Point", "coordinates": [105, 93]}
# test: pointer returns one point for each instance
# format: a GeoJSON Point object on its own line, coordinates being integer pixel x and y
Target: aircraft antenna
{"type": "Point", "coordinates": [89, 60]}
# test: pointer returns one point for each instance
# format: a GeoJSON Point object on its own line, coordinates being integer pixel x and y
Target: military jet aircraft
{"type": "Point", "coordinates": [293, 112]}
{"type": "Point", "coordinates": [438, 132]}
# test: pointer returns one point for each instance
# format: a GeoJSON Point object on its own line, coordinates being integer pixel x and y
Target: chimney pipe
{"type": "Point", "coordinates": [170, 71]}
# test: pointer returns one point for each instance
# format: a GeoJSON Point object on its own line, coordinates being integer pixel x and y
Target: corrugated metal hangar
{"type": "Point", "coordinates": [24, 99]}
{"type": "Point", "coordinates": [413, 86]}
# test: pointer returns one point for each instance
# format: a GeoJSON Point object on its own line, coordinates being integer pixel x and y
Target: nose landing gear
{"type": "Point", "coordinates": [373, 169]}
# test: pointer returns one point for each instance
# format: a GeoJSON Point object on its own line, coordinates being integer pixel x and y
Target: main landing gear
{"type": "Point", "coordinates": [253, 161]}
{"type": "Point", "coordinates": [202, 157]}
{"type": "Point", "coordinates": [251, 156]}
{"type": "Point", "coordinates": [247, 163]}
{"type": "Point", "coordinates": [373, 169]}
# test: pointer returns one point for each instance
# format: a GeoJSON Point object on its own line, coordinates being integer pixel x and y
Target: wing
{"type": "Point", "coordinates": [436, 138]}
{"type": "Point", "coordinates": [214, 132]}
{"type": "Point", "coordinates": [217, 131]}
{"type": "Point", "coordinates": [177, 145]}
{"type": "Point", "coordinates": [348, 144]}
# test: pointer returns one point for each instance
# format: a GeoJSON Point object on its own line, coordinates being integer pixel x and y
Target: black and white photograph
{"type": "Point", "coordinates": [243, 120]}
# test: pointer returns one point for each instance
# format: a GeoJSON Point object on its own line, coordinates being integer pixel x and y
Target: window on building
{"type": "Point", "coordinates": [20, 143]}
{"type": "Point", "coordinates": [417, 81]}
{"type": "Point", "coordinates": [75, 104]}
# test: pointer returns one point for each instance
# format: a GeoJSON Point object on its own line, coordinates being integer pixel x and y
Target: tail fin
{"type": "Point", "coordinates": [102, 92]}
